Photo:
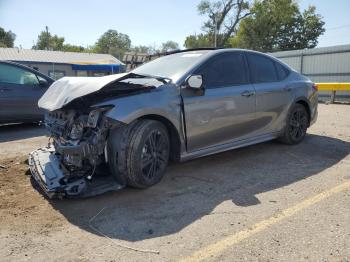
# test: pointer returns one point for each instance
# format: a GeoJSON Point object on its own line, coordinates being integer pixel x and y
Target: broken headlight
{"type": "Point", "coordinates": [76, 133]}
{"type": "Point", "coordinates": [90, 121]}
{"type": "Point", "coordinates": [94, 116]}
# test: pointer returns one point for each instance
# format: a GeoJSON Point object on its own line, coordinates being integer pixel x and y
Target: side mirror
{"type": "Point", "coordinates": [43, 82]}
{"type": "Point", "coordinates": [195, 82]}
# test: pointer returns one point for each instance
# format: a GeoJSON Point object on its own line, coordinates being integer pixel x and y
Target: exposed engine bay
{"type": "Point", "coordinates": [79, 138]}
{"type": "Point", "coordinates": [76, 152]}
{"type": "Point", "coordinates": [77, 148]}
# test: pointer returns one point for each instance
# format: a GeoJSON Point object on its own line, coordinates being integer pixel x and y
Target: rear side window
{"type": "Point", "coordinates": [227, 69]}
{"type": "Point", "coordinates": [262, 69]}
{"type": "Point", "coordinates": [282, 72]}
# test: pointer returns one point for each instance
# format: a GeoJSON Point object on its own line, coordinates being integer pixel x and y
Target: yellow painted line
{"type": "Point", "coordinates": [217, 248]}
{"type": "Point", "coordinates": [333, 86]}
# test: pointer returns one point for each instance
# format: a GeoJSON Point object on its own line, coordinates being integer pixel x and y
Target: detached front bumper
{"type": "Point", "coordinates": [46, 171]}
{"type": "Point", "coordinates": [45, 168]}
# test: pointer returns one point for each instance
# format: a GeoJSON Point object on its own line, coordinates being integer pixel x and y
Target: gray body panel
{"type": "Point", "coordinates": [218, 116]}
{"type": "Point", "coordinates": [164, 102]}
{"type": "Point", "coordinates": [273, 101]}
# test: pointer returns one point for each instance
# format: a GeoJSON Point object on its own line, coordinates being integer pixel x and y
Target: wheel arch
{"type": "Point", "coordinates": [303, 101]}
{"type": "Point", "coordinates": [174, 136]}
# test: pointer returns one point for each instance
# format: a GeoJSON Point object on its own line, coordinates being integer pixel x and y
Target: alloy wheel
{"type": "Point", "coordinates": [298, 124]}
{"type": "Point", "coordinates": [154, 156]}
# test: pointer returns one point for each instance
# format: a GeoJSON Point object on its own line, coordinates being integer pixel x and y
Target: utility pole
{"type": "Point", "coordinates": [215, 31]}
{"type": "Point", "coordinates": [47, 37]}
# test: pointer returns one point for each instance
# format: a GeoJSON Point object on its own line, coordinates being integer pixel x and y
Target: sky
{"type": "Point", "coordinates": [82, 22]}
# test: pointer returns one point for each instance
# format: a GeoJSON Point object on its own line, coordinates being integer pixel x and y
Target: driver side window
{"type": "Point", "coordinates": [15, 75]}
{"type": "Point", "coordinates": [224, 70]}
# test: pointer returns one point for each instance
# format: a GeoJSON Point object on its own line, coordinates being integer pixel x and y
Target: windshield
{"type": "Point", "coordinates": [171, 66]}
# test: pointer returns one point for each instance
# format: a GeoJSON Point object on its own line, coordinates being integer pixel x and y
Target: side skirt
{"type": "Point", "coordinates": [228, 146]}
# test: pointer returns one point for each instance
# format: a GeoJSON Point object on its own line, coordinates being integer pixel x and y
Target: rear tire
{"type": "Point", "coordinates": [296, 126]}
{"type": "Point", "coordinates": [147, 154]}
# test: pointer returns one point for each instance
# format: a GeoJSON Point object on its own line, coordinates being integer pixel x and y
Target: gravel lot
{"type": "Point", "coordinates": [267, 202]}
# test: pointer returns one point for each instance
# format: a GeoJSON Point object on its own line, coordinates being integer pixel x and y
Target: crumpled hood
{"type": "Point", "coordinates": [66, 89]}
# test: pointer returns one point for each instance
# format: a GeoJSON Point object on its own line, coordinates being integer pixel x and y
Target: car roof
{"type": "Point", "coordinates": [26, 68]}
{"type": "Point", "coordinates": [213, 50]}
{"type": "Point", "coordinates": [210, 52]}
{"type": "Point", "coordinates": [223, 50]}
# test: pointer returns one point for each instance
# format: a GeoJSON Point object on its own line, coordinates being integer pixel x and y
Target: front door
{"type": "Point", "coordinates": [226, 110]}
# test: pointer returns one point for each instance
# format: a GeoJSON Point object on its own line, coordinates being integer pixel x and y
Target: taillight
{"type": "Point", "coordinates": [314, 86]}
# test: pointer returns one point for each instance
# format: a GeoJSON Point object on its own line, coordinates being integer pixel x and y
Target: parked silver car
{"type": "Point", "coordinates": [178, 107]}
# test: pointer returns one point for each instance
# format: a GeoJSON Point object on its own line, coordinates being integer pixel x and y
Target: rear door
{"type": "Point", "coordinates": [226, 110]}
{"type": "Point", "coordinates": [273, 94]}
{"type": "Point", "coordinates": [20, 91]}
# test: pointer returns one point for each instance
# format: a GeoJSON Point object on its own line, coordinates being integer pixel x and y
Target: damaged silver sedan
{"type": "Point", "coordinates": [121, 130]}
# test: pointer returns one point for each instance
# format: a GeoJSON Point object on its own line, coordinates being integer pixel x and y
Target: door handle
{"type": "Point", "coordinates": [4, 89]}
{"type": "Point", "coordinates": [287, 88]}
{"type": "Point", "coordinates": [247, 93]}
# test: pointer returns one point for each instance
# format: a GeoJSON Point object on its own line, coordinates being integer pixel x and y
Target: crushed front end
{"type": "Point", "coordinates": [69, 166]}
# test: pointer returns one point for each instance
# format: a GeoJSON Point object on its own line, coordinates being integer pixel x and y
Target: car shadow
{"type": "Point", "coordinates": [193, 189]}
{"type": "Point", "coordinates": [14, 132]}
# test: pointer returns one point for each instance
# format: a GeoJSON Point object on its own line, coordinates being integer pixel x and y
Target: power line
{"type": "Point", "coordinates": [338, 27]}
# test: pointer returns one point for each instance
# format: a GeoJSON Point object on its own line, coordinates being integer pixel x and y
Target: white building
{"type": "Point", "coordinates": [57, 64]}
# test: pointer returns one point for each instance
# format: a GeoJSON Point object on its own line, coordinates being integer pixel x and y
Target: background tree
{"type": "Point", "coordinates": [154, 49]}
{"type": "Point", "coordinates": [169, 46]}
{"type": "Point", "coordinates": [47, 41]}
{"type": "Point", "coordinates": [114, 43]}
{"type": "Point", "coordinates": [279, 25]}
{"type": "Point", "coordinates": [223, 18]}
{"type": "Point", "coordinates": [7, 38]}
{"type": "Point", "coordinates": [74, 48]}
{"type": "Point", "coordinates": [200, 40]}
{"type": "Point", "coordinates": [140, 49]}
{"type": "Point", "coordinates": [311, 28]}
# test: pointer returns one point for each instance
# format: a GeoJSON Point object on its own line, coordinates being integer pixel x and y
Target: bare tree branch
{"type": "Point", "coordinates": [225, 15]}
{"type": "Point", "coordinates": [238, 17]}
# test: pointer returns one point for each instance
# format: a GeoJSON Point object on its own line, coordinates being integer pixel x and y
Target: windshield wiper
{"type": "Point", "coordinates": [164, 80]}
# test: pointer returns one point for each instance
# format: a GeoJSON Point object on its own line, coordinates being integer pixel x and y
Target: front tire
{"type": "Point", "coordinates": [296, 126]}
{"type": "Point", "coordinates": [147, 154]}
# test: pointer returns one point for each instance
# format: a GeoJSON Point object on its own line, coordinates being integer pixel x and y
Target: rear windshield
{"type": "Point", "coordinates": [171, 66]}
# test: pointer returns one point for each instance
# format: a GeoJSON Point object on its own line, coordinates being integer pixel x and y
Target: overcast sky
{"type": "Point", "coordinates": [151, 22]}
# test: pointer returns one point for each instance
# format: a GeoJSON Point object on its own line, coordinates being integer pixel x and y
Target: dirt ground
{"type": "Point", "coordinates": [267, 202]}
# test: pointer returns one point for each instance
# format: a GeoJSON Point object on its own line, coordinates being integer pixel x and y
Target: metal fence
{"type": "Point", "coordinates": [325, 64]}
